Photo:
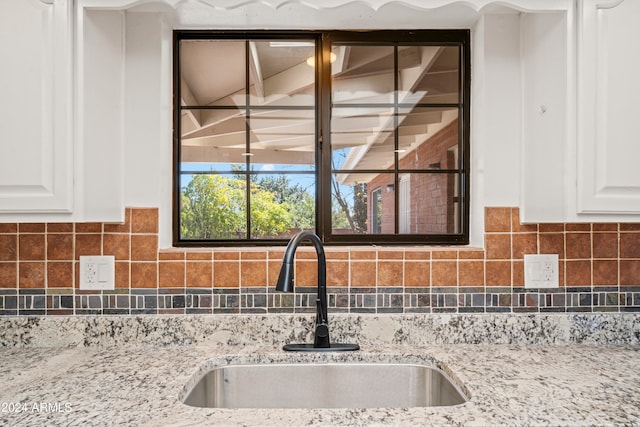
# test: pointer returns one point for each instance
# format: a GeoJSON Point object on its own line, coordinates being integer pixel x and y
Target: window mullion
{"type": "Point", "coordinates": [247, 113]}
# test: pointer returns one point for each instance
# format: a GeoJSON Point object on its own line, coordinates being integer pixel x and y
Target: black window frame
{"type": "Point", "coordinates": [324, 39]}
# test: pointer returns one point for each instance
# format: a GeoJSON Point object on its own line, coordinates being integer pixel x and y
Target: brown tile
{"type": "Point", "coordinates": [390, 273]}
{"type": "Point", "coordinates": [471, 273]}
{"type": "Point", "coordinates": [171, 255]}
{"type": "Point", "coordinates": [363, 273]}
{"type": "Point", "coordinates": [8, 275]}
{"type": "Point", "coordinates": [8, 227]}
{"type": "Point", "coordinates": [517, 270]}
{"type": "Point", "coordinates": [253, 273]}
{"type": "Point", "coordinates": [60, 227]}
{"type": "Point", "coordinates": [413, 254]}
{"type": "Point", "coordinates": [253, 255]}
{"type": "Point", "coordinates": [629, 272]}
{"type": "Point", "coordinates": [471, 254]}
{"type": "Point", "coordinates": [498, 273]}
{"type": "Point", "coordinates": [524, 243]}
{"type": "Point", "coordinates": [497, 219]}
{"type": "Point", "coordinates": [498, 246]}
{"type": "Point", "coordinates": [226, 255]}
{"type": "Point", "coordinates": [171, 274]}
{"type": "Point", "coordinates": [88, 244]}
{"type": "Point", "coordinates": [604, 226]}
{"type": "Point", "coordinates": [60, 274]}
{"type": "Point", "coordinates": [226, 274]}
{"type": "Point", "coordinates": [60, 247]}
{"type": "Point", "coordinates": [550, 228]}
{"type": "Point", "coordinates": [605, 245]}
{"type": "Point", "coordinates": [444, 273]}
{"type": "Point", "coordinates": [337, 273]}
{"type": "Point", "coordinates": [89, 227]}
{"type": "Point", "coordinates": [306, 272]}
{"type": "Point", "coordinates": [24, 227]}
{"type": "Point", "coordinates": [199, 274]}
{"type": "Point", "coordinates": [578, 273]}
{"type": "Point", "coordinates": [605, 273]}
{"type": "Point", "coordinates": [417, 274]}
{"type": "Point", "coordinates": [273, 271]}
{"type": "Point", "coordinates": [578, 245]}
{"type": "Point", "coordinates": [144, 274]}
{"type": "Point", "coordinates": [552, 243]}
{"type": "Point", "coordinates": [31, 247]}
{"type": "Point", "coordinates": [629, 245]}
{"type": "Point", "coordinates": [124, 227]}
{"type": "Point", "coordinates": [363, 254]}
{"type": "Point", "coordinates": [630, 226]}
{"type": "Point", "coordinates": [31, 275]}
{"type": "Point", "coordinates": [330, 253]}
{"type": "Point", "coordinates": [8, 247]}
{"type": "Point", "coordinates": [388, 254]}
{"type": "Point", "coordinates": [444, 254]}
{"type": "Point", "coordinates": [144, 220]}
{"type": "Point", "coordinates": [144, 247]}
{"type": "Point", "coordinates": [517, 226]}
{"type": "Point", "coordinates": [577, 227]}
{"type": "Point", "coordinates": [202, 255]}
{"type": "Point", "coordinates": [123, 273]}
{"type": "Point", "coordinates": [116, 245]}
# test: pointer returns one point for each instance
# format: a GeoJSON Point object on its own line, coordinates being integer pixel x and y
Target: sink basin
{"type": "Point", "coordinates": [324, 385]}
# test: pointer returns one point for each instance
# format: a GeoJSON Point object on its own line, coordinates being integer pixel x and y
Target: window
{"type": "Point", "coordinates": [360, 137]}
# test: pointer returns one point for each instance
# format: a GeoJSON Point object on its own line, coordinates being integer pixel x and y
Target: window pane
{"type": "Point", "coordinates": [363, 75]}
{"type": "Point", "coordinates": [282, 205]}
{"type": "Point", "coordinates": [429, 203]}
{"type": "Point", "coordinates": [362, 204]}
{"type": "Point", "coordinates": [283, 137]}
{"type": "Point", "coordinates": [219, 146]}
{"type": "Point", "coordinates": [213, 207]}
{"type": "Point", "coordinates": [428, 138]}
{"type": "Point", "coordinates": [362, 138]}
{"type": "Point", "coordinates": [213, 74]}
{"type": "Point", "coordinates": [428, 74]}
{"type": "Point", "coordinates": [281, 72]}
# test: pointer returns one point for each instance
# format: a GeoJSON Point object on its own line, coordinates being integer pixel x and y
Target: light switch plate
{"type": "Point", "coordinates": [97, 272]}
{"type": "Point", "coordinates": [541, 271]}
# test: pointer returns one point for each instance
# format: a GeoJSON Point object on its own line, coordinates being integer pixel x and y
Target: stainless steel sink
{"type": "Point", "coordinates": [324, 385]}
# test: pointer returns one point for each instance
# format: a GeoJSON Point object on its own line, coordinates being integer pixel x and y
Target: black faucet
{"type": "Point", "coordinates": [321, 340]}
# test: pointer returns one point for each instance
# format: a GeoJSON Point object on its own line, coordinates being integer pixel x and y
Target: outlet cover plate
{"type": "Point", "coordinates": [541, 271]}
{"type": "Point", "coordinates": [97, 273]}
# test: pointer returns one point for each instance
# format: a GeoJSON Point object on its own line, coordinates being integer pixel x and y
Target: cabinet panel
{"type": "Point", "coordinates": [36, 157]}
{"type": "Point", "coordinates": [608, 177]}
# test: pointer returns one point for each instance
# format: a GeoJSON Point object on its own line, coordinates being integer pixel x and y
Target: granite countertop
{"type": "Point", "coordinates": [142, 383]}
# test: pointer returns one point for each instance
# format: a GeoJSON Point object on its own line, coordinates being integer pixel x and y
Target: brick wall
{"type": "Point", "coordinates": [431, 195]}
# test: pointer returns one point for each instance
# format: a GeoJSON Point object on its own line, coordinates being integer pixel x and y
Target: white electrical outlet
{"type": "Point", "coordinates": [541, 271]}
{"type": "Point", "coordinates": [97, 272]}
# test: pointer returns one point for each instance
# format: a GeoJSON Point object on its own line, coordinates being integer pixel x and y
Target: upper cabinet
{"type": "Point", "coordinates": [36, 148]}
{"type": "Point", "coordinates": [608, 142]}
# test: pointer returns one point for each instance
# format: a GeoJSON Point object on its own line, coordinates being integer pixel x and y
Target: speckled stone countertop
{"type": "Point", "coordinates": [141, 381]}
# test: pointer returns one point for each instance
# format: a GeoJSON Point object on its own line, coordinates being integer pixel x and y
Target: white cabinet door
{"type": "Point", "coordinates": [36, 142]}
{"type": "Point", "coordinates": [608, 141]}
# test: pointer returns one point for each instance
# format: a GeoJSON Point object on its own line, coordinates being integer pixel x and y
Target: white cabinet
{"type": "Point", "coordinates": [36, 143]}
{"type": "Point", "coordinates": [608, 141]}
{"type": "Point", "coordinates": [61, 112]}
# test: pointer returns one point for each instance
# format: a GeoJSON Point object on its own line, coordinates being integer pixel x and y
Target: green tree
{"type": "Point", "coordinates": [214, 207]}
{"type": "Point", "coordinates": [300, 203]}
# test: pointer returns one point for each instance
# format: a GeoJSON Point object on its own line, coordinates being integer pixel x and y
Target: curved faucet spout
{"type": "Point", "coordinates": [321, 340]}
{"type": "Point", "coordinates": [285, 283]}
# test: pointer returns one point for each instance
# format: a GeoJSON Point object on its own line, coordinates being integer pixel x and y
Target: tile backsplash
{"type": "Point", "coordinates": [599, 272]}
